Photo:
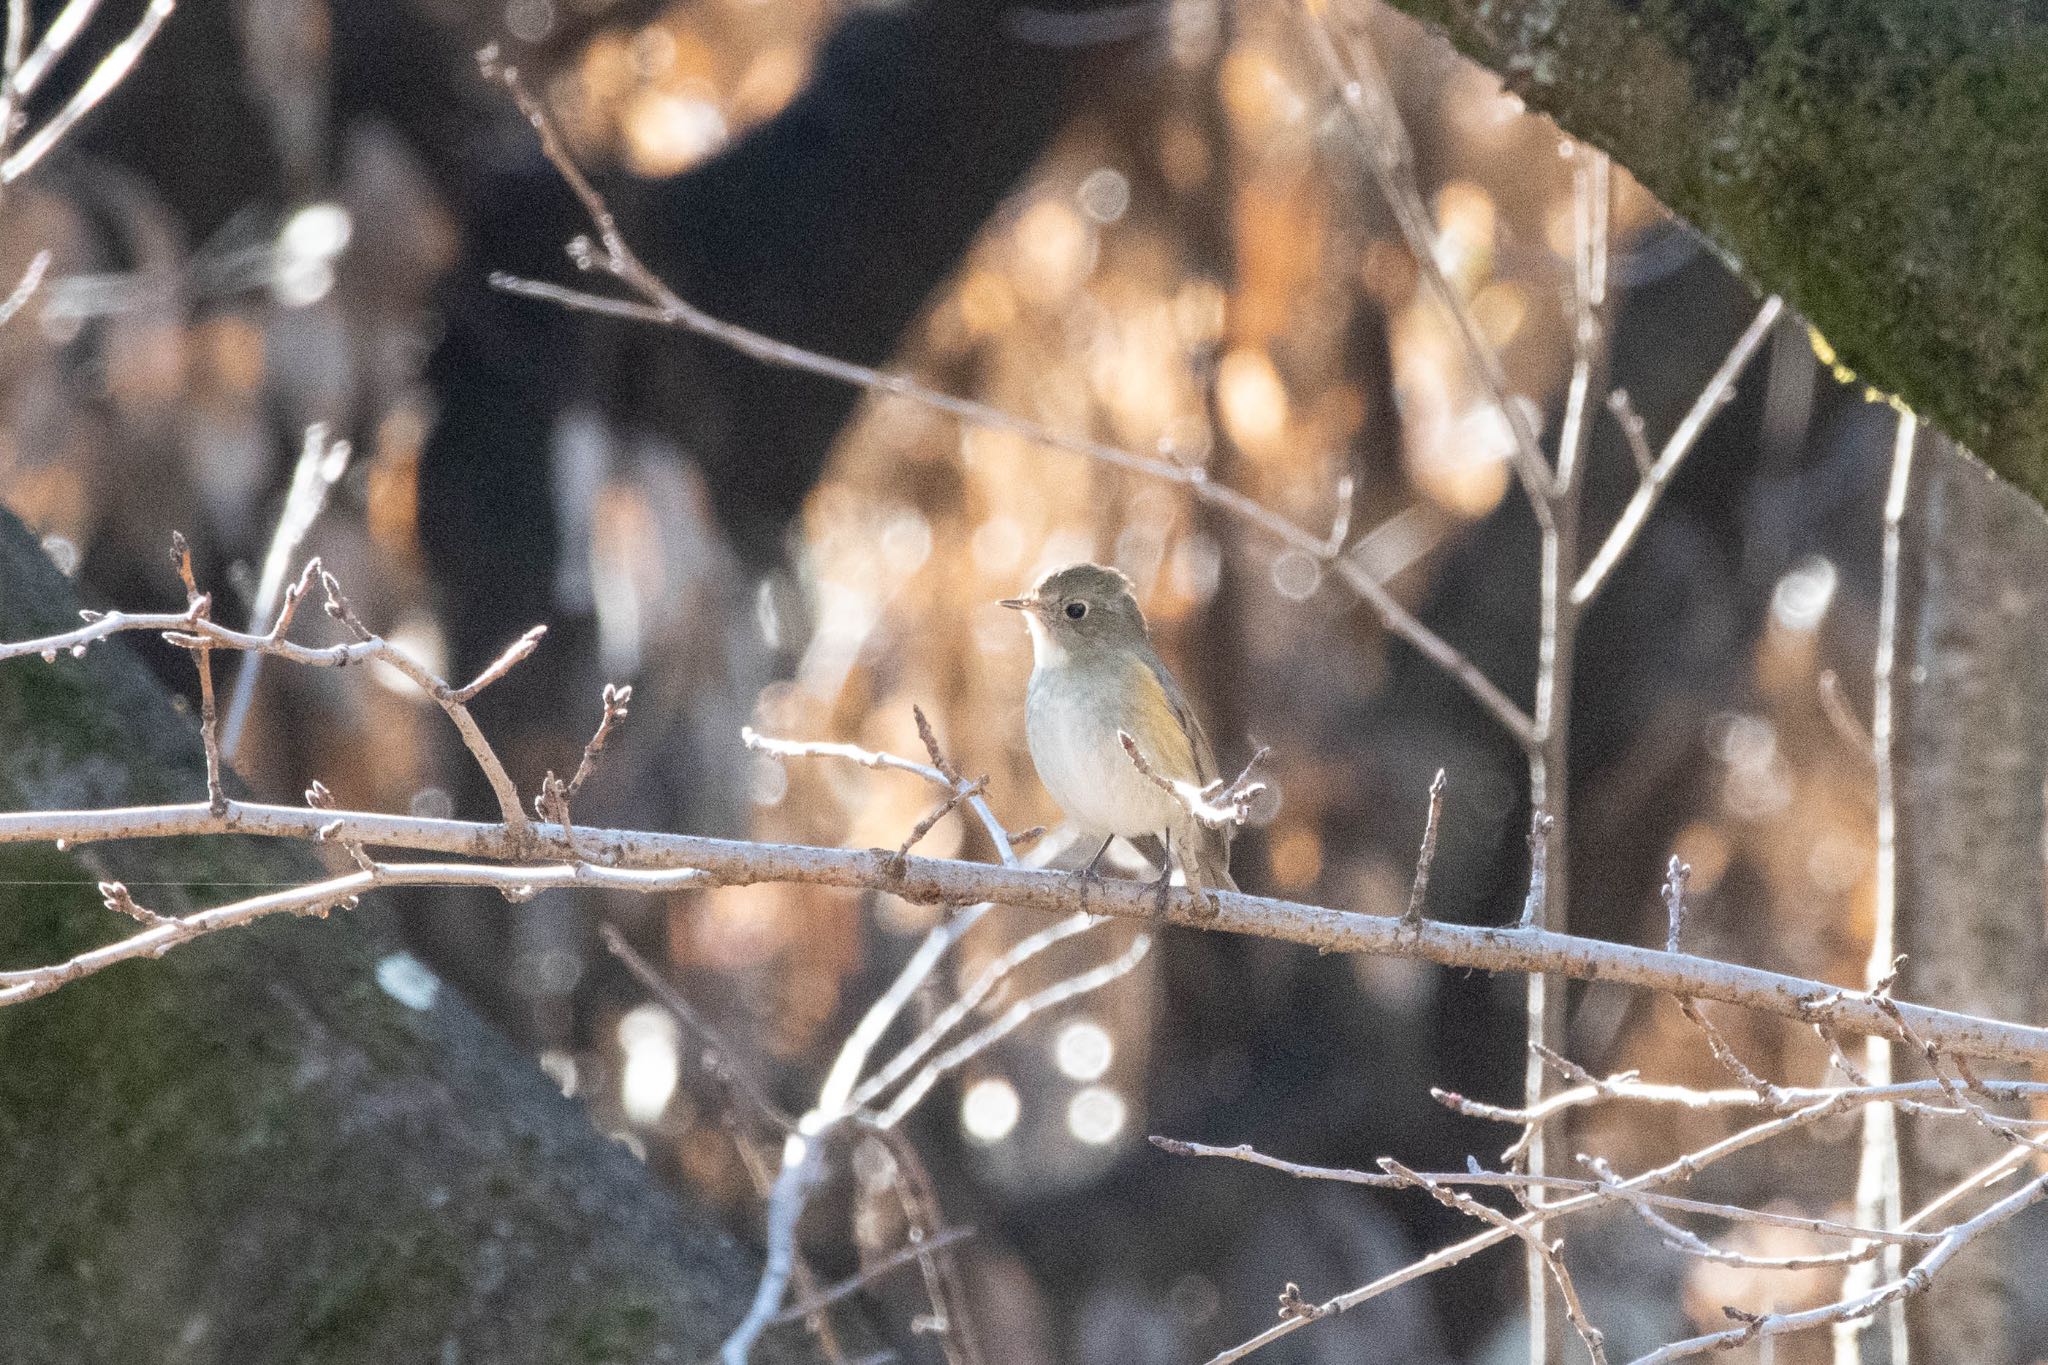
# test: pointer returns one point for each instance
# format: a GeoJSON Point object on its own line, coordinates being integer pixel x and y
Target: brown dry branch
{"type": "Point", "coordinates": [198, 605]}
{"type": "Point", "coordinates": [1719, 389]}
{"type": "Point", "coordinates": [1675, 878]}
{"type": "Point", "coordinates": [726, 1059]}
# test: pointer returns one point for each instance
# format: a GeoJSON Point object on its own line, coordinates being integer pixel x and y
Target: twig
{"type": "Point", "coordinates": [317, 898]}
{"type": "Point", "coordinates": [31, 280]}
{"type": "Point", "coordinates": [789, 748]}
{"type": "Point", "coordinates": [983, 985]}
{"type": "Point", "coordinates": [872, 1273]}
{"type": "Point", "coordinates": [1217, 805]}
{"type": "Point", "coordinates": [1550, 1252]}
{"type": "Point", "coordinates": [111, 71]}
{"type": "Point", "coordinates": [918, 1198]}
{"type": "Point", "coordinates": [617, 697]}
{"type": "Point", "coordinates": [1355, 73]}
{"type": "Point", "coordinates": [1008, 1022]}
{"type": "Point", "coordinates": [1683, 1167]}
{"type": "Point", "coordinates": [978, 787]}
{"type": "Point", "coordinates": [1840, 714]}
{"type": "Point", "coordinates": [1607, 1185]}
{"type": "Point", "coordinates": [197, 606]}
{"type": "Point", "coordinates": [1419, 890]}
{"type": "Point", "coordinates": [727, 1058]}
{"type": "Point", "coordinates": [1651, 487]}
{"type": "Point", "coordinates": [1631, 423]}
{"type": "Point", "coordinates": [802, 1168]}
{"type": "Point", "coordinates": [321, 464]}
{"type": "Point", "coordinates": [835, 1096]}
{"type": "Point", "coordinates": [1675, 878]}
{"type": "Point", "coordinates": [1913, 1281]}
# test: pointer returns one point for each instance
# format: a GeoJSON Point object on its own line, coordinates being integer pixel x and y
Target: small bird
{"type": "Point", "coordinates": [1094, 678]}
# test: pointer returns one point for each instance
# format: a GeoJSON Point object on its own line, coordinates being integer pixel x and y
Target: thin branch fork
{"type": "Point", "coordinates": [1550, 1252]}
{"type": "Point", "coordinates": [196, 630]}
{"type": "Point", "coordinates": [941, 881]}
{"type": "Point", "coordinates": [1651, 486]}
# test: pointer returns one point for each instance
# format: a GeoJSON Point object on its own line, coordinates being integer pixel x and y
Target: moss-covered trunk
{"type": "Point", "coordinates": [1878, 162]}
{"type": "Point", "coordinates": [285, 1143]}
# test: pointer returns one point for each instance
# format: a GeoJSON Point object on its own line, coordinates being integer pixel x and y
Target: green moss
{"type": "Point", "coordinates": [615, 1331]}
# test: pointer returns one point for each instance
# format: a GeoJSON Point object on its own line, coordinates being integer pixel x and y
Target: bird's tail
{"type": "Point", "coordinates": [1204, 857]}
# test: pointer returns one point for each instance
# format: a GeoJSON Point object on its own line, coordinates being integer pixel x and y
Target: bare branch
{"type": "Point", "coordinates": [1630, 524]}
{"type": "Point", "coordinates": [320, 465]}
{"type": "Point", "coordinates": [983, 985]}
{"type": "Point", "coordinates": [872, 1273]}
{"type": "Point", "coordinates": [197, 606]}
{"type": "Point", "coordinates": [1914, 1281]}
{"type": "Point", "coordinates": [1008, 1022]}
{"type": "Point", "coordinates": [1608, 1186]}
{"type": "Point", "coordinates": [1419, 890]}
{"type": "Point", "coordinates": [662, 306]}
{"type": "Point", "coordinates": [617, 698]}
{"type": "Point", "coordinates": [1354, 71]}
{"type": "Point", "coordinates": [31, 280]}
{"type": "Point", "coordinates": [1632, 431]}
{"type": "Point", "coordinates": [939, 881]}
{"type": "Point", "coordinates": [1878, 1193]}
{"type": "Point", "coordinates": [728, 1059]}
{"type": "Point", "coordinates": [1551, 1252]}
{"type": "Point", "coordinates": [318, 898]}
{"type": "Point", "coordinates": [1216, 805]}
{"type": "Point", "coordinates": [112, 70]}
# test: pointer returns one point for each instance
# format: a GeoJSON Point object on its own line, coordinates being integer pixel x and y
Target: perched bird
{"type": "Point", "coordinates": [1095, 677]}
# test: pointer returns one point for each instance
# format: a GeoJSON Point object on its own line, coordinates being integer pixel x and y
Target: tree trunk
{"type": "Point", "coordinates": [1973, 753]}
{"type": "Point", "coordinates": [287, 1142]}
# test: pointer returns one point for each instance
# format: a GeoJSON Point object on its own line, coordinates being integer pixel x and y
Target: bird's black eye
{"type": "Point", "coordinates": [1076, 610]}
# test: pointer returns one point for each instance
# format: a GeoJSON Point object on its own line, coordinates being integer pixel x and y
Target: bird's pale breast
{"type": "Point", "coordinates": [1072, 721]}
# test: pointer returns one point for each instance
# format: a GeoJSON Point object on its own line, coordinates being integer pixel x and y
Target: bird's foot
{"type": "Point", "coordinates": [1087, 879]}
{"type": "Point", "coordinates": [1162, 891]}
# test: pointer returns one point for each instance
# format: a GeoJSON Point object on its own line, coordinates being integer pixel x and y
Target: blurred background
{"type": "Point", "coordinates": [1140, 223]}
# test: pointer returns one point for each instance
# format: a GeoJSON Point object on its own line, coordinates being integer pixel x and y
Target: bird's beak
{"type": "Point", "coordinates": [1017, 603]}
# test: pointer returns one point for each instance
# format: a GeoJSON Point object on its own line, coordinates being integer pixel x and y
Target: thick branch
{"type": "Point", "coordinates": [948, 882]}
